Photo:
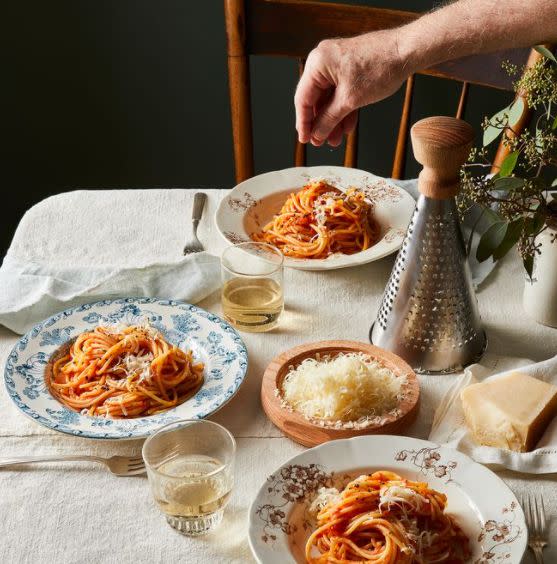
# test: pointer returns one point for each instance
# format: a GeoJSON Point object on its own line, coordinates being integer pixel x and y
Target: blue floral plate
{"type": "Point", "coordinates": [211, 339]}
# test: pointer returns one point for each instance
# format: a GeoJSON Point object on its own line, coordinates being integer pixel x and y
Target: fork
{"type": "Point", "coordinates": [193, 245]}
{"type": "Point", "coordinates": [536, 521]}
{"type": "Point", "coordinates": [118, 465]}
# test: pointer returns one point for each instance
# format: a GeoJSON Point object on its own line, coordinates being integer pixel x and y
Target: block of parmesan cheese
{"type": "Point", "coordinates": [510, 412]}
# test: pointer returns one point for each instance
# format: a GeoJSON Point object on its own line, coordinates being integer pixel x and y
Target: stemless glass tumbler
{"type": "Point", "coordinates": [190, 465]}
{"type": "Point", "coordinates": [252, 292]}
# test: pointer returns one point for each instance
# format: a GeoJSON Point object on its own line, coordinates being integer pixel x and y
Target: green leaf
{"type": "Point", "coordinates": [490, 240]}
{"type": "Point", "coordinates": [492, 215]}
{"type": "Point", "coordinates": [508, 183]}
{"type": "Point", "coordinates": [510, 239]}
{"type": "Point", "coordinates": [515, 111]}
{"type": "Point", "coordinates": [545, 52]}
{"type": "Point", "coordinates": [554, 126]}
{"type": "Point", "coordinates": [528, 263]}
{"type": "Point", "coordinates": [543, 127]}
{"type": "Point", "coordinates": [539, 221]}
{"type": "Point", "coordinates": [491, 132]}
{"type": "Point", "coordinates": [507, 166]}
{"type": "Point", "coordinates": [533, 225]}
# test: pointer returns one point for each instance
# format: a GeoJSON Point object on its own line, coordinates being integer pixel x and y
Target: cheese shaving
{"type": "Point", "coordinates": [342, 389]}
{"type": "Point", "coordinates": [142, 324]}
{"type": "Point", "coordinates": [137, 365]}
{"type": "Point", "coordinates": [324, 205]}
{"type": "Point", "coordinates": [401, 495]}
{"type": "Point", "coordinates": [323, 498]}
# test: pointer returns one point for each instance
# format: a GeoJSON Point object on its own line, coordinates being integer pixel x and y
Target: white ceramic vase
{"type": "Point", "coordinates": [540, 294]}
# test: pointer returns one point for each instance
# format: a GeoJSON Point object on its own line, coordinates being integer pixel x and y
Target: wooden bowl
{"type": "Point", "coordinates": [295, 426]}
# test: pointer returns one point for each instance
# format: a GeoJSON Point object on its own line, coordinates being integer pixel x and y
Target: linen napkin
{"type": "Point", "coordinates": [85, 246]}
{"type": "Point", "coordinates": [449, 426]}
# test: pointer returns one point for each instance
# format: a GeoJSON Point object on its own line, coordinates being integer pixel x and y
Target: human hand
{"type": "Point", "coordinates": [342, 75]}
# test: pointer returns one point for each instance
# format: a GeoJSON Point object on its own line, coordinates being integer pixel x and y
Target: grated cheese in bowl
{"type": "Point", "coordinates": [346, 390]}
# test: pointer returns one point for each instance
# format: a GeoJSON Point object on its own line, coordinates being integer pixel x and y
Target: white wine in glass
{"type": "Point", "coordinates": [252, 304]}
{"type": "Point", "coordinates": [252, 291]}
{"type": "Point", "coordinates": [190, 465]}
{"type": "Point", "coordinates": [199, 494]}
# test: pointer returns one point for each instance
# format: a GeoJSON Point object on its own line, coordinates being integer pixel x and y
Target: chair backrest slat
{"type": "Point", "coordinates": [351, 147]}
{"type": "Point", "coordinates": [399, 161]}
{"type": "Point", "coordinates": [300, 153]}
{"type": "Point", "coordinates": [462, 100]}
{"type": "Point", "coordinates": [291, 28]}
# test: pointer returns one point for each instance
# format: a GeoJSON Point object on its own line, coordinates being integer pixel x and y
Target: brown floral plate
{"type": "Point", "coordinates": [486, 509]}
{"type": "Point", "coordinates": [252, 204]}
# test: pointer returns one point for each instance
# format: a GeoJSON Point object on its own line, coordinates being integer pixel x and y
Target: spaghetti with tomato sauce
{"type": "Point", "coordinates": [321, 220]}
{"type": "Point", "coordinates": [382, 518]}
{"type": "Point", "coordinates": [123, 373]}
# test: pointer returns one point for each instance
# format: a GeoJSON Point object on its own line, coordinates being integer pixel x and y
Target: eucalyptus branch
{"type": "Point", "coordinates": [521, 196]}
{"type": "Point", "coordinates": [477, 164]}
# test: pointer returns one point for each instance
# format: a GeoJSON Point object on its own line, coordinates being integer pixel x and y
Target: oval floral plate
{"type": "Point", "coordinates": [211, 340]}
{"type": "Point", "coordinates": [254, 202]}
{"type": "Point", "coordinates": [486, 509]}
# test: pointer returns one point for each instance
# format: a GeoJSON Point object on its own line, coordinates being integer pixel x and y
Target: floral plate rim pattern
{"type": "Point", "coordinates": [497, 531]}
{"type": "Point", "coordinates": [393, 210]}
{"type": "Point", "coordinates": [210, 337]}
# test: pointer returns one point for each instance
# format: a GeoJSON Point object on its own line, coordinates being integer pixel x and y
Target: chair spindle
{"type": "Point", "coordinates": [300, 151]}
{"type": "Point", "coordinates": [239, 87]}
{"type": "Point", "coordinates": [462, 100]}
{"type": "Point", "coordinates": [351, 148]}
{"type": "Point", "coordinates": [402, 139]}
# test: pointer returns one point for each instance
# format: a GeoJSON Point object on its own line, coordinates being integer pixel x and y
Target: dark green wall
{"type": "Point", "coordinates": [133, 93]}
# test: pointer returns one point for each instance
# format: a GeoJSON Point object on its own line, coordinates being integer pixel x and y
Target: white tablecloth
{"type": "Point", "coordinates": [76, 513]}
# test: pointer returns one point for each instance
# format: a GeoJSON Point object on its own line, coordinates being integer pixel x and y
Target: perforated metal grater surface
{"type": "Point", "coordinates": [429, 313]}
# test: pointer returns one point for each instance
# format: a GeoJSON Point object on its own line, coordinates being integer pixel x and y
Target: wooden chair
{"type": "Point", "coordinates": [292, 28]}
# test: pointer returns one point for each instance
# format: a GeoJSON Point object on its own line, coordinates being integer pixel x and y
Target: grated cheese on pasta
{"type": "Point", "coordinates": [325, 496]}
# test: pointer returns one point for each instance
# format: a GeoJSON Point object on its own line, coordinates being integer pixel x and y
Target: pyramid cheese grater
{"type": "Point", "coordinates": [429, 314]}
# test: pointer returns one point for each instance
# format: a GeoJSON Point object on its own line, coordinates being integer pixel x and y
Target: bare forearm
{"type": "Point", "coordinates": [342, 75]}
{"type": "Point", "coordinates": [469, 27]}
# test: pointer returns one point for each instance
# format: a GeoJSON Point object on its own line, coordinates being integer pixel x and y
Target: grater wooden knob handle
{"type": "Point", "coordinates": [441, 144]}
